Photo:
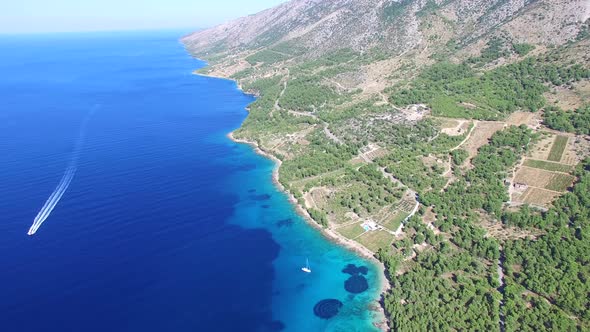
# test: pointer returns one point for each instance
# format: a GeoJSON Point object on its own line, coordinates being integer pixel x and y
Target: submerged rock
{"type": "Point", "coordinates": [354, 270]}
{"type": "Point", "coordinates": [276, 325]}
{"type": "Point", "coordinates": [262, 197]}
{"type": "Point", "coordinates": [285, 223]}
{"type": "Point", "coordinates": [356, 284]}
{"type": "Point", "coordinates": [327, 308]}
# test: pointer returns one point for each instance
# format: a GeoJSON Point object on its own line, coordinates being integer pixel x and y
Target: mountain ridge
{"type": "Point", "coordinates": [335, 24]}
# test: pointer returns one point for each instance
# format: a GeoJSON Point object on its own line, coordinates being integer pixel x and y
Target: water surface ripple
{"type": "Point", "coordinates": [167, 225]}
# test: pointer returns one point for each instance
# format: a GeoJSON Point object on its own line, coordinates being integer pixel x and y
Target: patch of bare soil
{"type": "Point", "coordinates": [481, 135]}
{"type": "Point", "coordinates": [532, 120]}
{"type": "Point", "coordinates": [538, 196]}
{"type": "Point", "coordinates": [534, 177]}
{"type": "Point", "coordinates": [542, 148]}
{"type": "Point", "coordinates": [455, 127]}
{"type": "Point", "coordinates": [576, 150]}
{"type": "Point", "coordinates": [569, 98]}
{"type": "Point", "coordinates": [502, 232]}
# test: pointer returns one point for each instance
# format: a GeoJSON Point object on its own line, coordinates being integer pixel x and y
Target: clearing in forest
{"type": "Point", "coordinates": [374, 240]}
{"type": "Point", "coordinates": [537, 196]}
{"type": "Point", "coordinates": [540, 150]}
{"type": "Point", "coordinates": [539, 178]}
{"type": "Point", "coordinates": [529, 119]}
{"type": "Point", "coordinates": [576, 150]}
{"type": "Point", "coordinates": [548, 165]}
{"type": "Point", "coordinates": [351, 231]}
{"type": "Point", "coordinates": [395, 221]}
{"type": "Point", "coordinates": [481, 135]}
{"type": "Point", "coordinates": [454, 127]}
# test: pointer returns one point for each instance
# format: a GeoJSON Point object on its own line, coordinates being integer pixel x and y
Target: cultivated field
{"type": "Point", "coordinates": [537, 196]}
{"type": "Point", "coordinates": [533, 177]}
{"type": "Point", "coordinates": [576, 149]}
{"type": "Point", "coordinates": [375, 240]}
{"type": "Point", "coordinates": [560, 182]}
{"type": "Point", "coordinates": [351, 231]}
{"type": "Point", "coordinates": [541, 149]}
{"type": "Point", "coordinates": [544, 176]}
{"type": "Point", "coordinates": [395, 221]}
{"type": "Point", "coordinates": [558, 148]}
{"type": "Point", "coordinates": [548, 166]}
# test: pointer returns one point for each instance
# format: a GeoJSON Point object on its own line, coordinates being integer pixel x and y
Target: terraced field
{"type": "Point", "coordinates": [558, 148]}
{"type": "Point", "coordinates": [548, 166]}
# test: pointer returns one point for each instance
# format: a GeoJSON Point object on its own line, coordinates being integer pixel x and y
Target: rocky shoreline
{"type": "Point", "coordinates": [382, 321]}
{"type": "Point", "coordinates": [327, 233]}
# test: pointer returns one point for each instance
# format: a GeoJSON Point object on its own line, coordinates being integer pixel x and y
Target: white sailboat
{"type": "Point", "coordinates": [306, 268]}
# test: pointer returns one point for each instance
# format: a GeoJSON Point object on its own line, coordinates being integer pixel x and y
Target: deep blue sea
{"type": "Point", "coordinates": [166, 224]}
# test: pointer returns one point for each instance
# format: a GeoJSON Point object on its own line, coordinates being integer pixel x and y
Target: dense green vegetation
{"type": "Point", "coordinates": [495, 49]}
{"type": "Point", "coordinates": [499, 48]}
{"type": "Point", "coordinates": [319, 216]}
{"type": "Point", "coordinates": [395, 10]}
{"type": "Point", "coordinates": [522, 49]}
{"type": "Point", "coordinates": [444, 273]}
{"type": "Point", "coordinates": [557, 148]}
{"type": "Point", "coordinates": [547, 165]}
{"type": "Point", "coordinates": [547, 278]}
{"type": "Point", "coordinates": [370, 192]}
{"type": "Point", "coordinates": [459, 156]}
{"type": "Point", "coordinates": [305, 93]}
{"type": "Point", "coordinates": [443, 291]}
{"type": "Point", "coordinates": [554, 268]}
{"type": "Point", "coordinates": [266, 57]}
{"type": "Point", "coordinates": [576, 121]}
{"type": "Point", "coordinates": [320, 158]}
{"type": "Point", "coordinates": [457, 91]}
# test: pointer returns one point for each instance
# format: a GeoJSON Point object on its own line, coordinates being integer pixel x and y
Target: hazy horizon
{"type": "Point", "coordinates": [36, 16]}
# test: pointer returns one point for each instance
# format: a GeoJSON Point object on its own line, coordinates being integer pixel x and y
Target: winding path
{"type": "Point", "coordinates": [277, 106]}
{"type": "Point", "coordinates": [466, 138]}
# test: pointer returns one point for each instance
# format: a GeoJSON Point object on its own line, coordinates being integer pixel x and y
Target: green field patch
{"type": "Point", "coordinates": [393, 223]}
{"type": "Point", "coordinates": [316, 180]}
{"type": "Point", "coordinates": [374, 240]}
{"type": "Point", "coordinates": [548, 166]}
{"type": "Point", "coordinates": [351, 231]}
{"type": "Point", "coordinates": [558, 148]}
{"type": "Point", "coordinates": [560, 182]}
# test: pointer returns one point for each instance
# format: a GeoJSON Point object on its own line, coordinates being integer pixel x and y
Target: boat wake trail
{"type": "Point", "coordinates": [65, 180]}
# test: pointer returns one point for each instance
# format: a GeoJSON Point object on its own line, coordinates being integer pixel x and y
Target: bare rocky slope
{"type": "Point", "coordinates": [326, 25]}
{"type": "Point", "coordinates": [402, 36]}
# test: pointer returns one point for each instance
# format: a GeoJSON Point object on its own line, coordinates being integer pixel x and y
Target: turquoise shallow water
{"type": "Point", "coordinates": [167, 225]}
{"type": "Point", "coordinates": [295, 293]}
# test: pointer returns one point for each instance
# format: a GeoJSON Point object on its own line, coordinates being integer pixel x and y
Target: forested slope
{"type": "Point", "coordinates": [457, 129]}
